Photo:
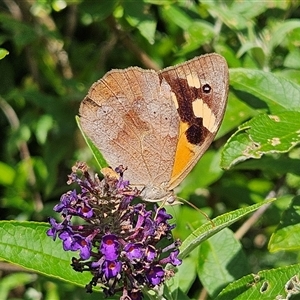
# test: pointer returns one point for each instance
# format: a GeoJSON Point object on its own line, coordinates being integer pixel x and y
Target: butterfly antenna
{"type": "Point", "coordinates": [198, 210]}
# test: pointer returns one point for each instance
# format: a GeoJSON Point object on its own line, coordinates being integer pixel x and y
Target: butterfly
{"type": "Point", "coordinates": [157, 124]}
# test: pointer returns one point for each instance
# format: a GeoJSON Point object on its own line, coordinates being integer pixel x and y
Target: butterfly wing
{"type": "Point", "coordinates": [200, 88]}
{"type": "Point", "coordinates": [131, 117]}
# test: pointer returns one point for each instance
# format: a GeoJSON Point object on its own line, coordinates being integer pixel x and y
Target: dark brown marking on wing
{"type": "Point", "coordinates": [185, 95]}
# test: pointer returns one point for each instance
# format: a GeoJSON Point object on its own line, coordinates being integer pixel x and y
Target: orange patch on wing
{"type": "Point", "coordinates": [184, 154]}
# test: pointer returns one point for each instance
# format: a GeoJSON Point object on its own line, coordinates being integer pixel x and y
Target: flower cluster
{"type": "Point", "coordinates": [125, 246]}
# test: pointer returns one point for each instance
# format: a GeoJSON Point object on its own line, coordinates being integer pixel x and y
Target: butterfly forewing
{"type": "Point", "coordinates": [200, 88]}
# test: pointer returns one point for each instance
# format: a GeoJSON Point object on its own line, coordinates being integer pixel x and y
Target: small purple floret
{"type": "Point", "coordinates": [134, 251]}
{"type": "Point", "coordinates": [55, 228]}
{"type": "Point", "coordinates": [109, 247]}
{"type": "Point", "coordinates": [155, 275]}
{"type": "Point", "coordinates": [83, 245]}
{"type": "Point", "coordinates": [111, 268]}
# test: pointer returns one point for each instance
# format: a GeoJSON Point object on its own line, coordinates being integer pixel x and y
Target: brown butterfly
{"type": "Point", "coordinates": [157, 124]}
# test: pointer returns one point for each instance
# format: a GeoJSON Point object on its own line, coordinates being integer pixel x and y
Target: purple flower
{"type": "Point", "coordinates": [172, 259]}
{"type": "Point", "coordinates": [66, 201]}
{"type": "Point", "coordinates": [149, 228]}
{"type": "Point", "coordinates": [74, 242]}
{"type": "Point", "coordinates": [98, 263]}
{"type": "Point", "coordinates": [155, 275]}
{"type": "Point", "coordinates": [84, 245]}
{"type": "Point", "coordinates": [67, 237]}
{"type": "Point", "coordinates": [150, 253]}
{"type": "Point", "coordinates": [122, 184]}
{"type": "Point", "coordinates": [142, 215]}
{"type": "Point", "coordinates": [56, 227]}
{"type": "Point", "coordinates": [126, 201]}
{"type": "Point", "coordinates": [85, 211]}
{"type": "Point", "coordinates": [162, 216]}
{"type": "Point", "coordinates": [110, 247]}
{"type": "Point", "coordinates": [134, 244]}
{"type": "Point", "coordinates": [111, 268]}
{"type": "Point", "coordinates": [134, 251]}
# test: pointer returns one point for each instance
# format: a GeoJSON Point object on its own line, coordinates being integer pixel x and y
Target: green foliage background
{"type": "Point", "coordinates": [52, 51]}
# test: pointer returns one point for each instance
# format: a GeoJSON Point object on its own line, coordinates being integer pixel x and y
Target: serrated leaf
{"type": "Point", "coordinates": [215, 225]}
{"type": "Point", "coordinates": [26, 244]}
{"type": "Point", "coordinates": [221, 261]}
{"type": "Point", "coordinates": [276, 92]}
{"type": "Point", "coordinates": [262, 135]}
{"type": "Point", "coordinates": [96, 152]}
{"type": "Point", "coordinates": [265, 285]}
{"type": "Point", "coordinates": [286, 237]}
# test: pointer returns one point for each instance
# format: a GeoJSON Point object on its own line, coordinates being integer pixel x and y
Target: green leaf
{"type": "Point", "coordinates": [177, 294]}
{"type": "Point", "coordinates": [26, 244]}
{"type": "Point", "coordinates": [3, 53]}
{"type": "Point", "coordinates": [279, 165]}
{"type": "Point", "coordinates": [98, 10]}
{"type": "Point", "coordinates": [290, 74]}
{"type": "Point", "coordinates": [276, 92]}
{"type": "Point", "coordinates": [215, 225]}
{"type": "Point", "coordinates": [292, 60]}
{"type": "Point", "coordinates": [221, 261]}
{"type": "Point", "coordinates": [7, 174]}
{"type": "Point", "coordinates": [21, 33]}
{"type": "Point", "coordinates": [43, 126]}
{"type": "Point", "coordinates": [13, 281]}
{"type": "Point", "coordinates": [247, 9]}
{"type": "Point", "coordinates": [185, 275]}
{"type": "Point", "coordinates": [96, 152]}
{"type": "Point", "coordinates": [198, 34]}
{"type": "Point", "coordinates": [236, 113]}
{"type": "Point", "coordinates": [177, 16]}
{"type": "Point", "coordinates": [138, 16]}
{"type": "Point", "coordinates": [249, 45]}
{"type": "Point", "coordinates": [262, 135]}
{"type": "Point", "coordinates": [286, 236]}
{"type": "Point", "coordinates": [233, 19]}
{"type": "Point", "coordinates": [281, 31]}
{"type": "Point", "coordinates": [229, 54]}
{"type": "Point", "coordinates": [265, 285]}
{"type": "Point", "coordinates": [159, 2]}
